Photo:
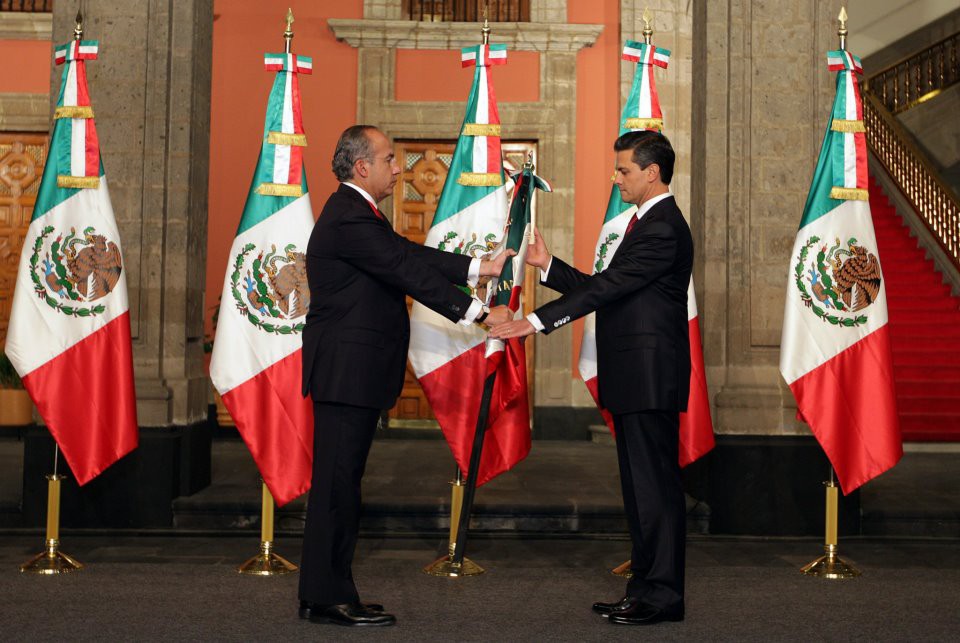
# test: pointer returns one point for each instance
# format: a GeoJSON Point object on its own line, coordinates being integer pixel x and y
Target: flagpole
{"type": "Point", "coordinates": [52, 560]}
{"type": "Point", "coordinates": [443, 566]}
{"type": "Point", "coordinates": [624, 569]}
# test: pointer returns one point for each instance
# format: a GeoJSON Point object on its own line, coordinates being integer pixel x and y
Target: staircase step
{"type": "Point", "coordinates": [930, 426]}
{"type": "Point", "coordinates": [925, 372]}
{"type": "Point", "coordinates": [918, 357]}
{"type": "Point", "coordinates": [919, 388]}
{"type": "Point", "coordinates": [937, 344]}
{"type": "Point", "coordinates": [925, 289]}
{"type": "Point", "coordinates": [902, 329]}
{"type": "Point", "coordinates": [913, 301]}
{"type": "Point", "coordinates": [928, 405]}
{"type": "Point", "coordinates": [911, 316]}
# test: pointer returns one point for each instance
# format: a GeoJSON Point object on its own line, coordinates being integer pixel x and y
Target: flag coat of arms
{"type": "Point", "coordinates": [642, 111]}
{"type": "Point", "coordinates": [835, 350]}
{"type": "Point", "coordinates": [69, 335]}
{"type": "Point", "coordinates": [256, 362]}
{"type": "Point", "coordinates": [452, 361]}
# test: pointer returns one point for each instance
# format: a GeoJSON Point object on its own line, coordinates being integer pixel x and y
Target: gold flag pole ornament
{"type": "Point", "coordinates": [623, 569]}
{"type": "Point", "coordinates": [444, 566]}
{"type": "Point", "coordinates": [266, 562]}
{"type": "Point", "coordinates": [52, 560]}
{"type": "Point", "coordinates": [830, 565]}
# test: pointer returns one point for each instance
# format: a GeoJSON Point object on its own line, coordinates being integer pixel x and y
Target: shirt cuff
{"type": "Point", "coordinates": [543, 276]}
{"type": "Point", "coordinates": [473, 272]}
{"type": "Point", "coordinates": [534, 320]}
{"type": "Point", "coordinates": [476, 307]}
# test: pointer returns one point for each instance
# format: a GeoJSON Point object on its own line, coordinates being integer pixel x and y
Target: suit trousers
{"type": "Point", "coordinates": [342, 435]}
{"type": "Point", "coordinates": [655, 505]}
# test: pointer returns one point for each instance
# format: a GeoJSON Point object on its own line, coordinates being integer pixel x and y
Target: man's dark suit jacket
{"type": "Point", "coordinates": [357, 330]}
{"type": "Point", "coordinates": [643, 346]}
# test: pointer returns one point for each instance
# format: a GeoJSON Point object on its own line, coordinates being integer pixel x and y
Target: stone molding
{"type": "Point", "coordinates": [411, 34]}
{"type": "Point", "coordinates": [17, 25]}
{"type": "Point", "coordinates": [24, 112]}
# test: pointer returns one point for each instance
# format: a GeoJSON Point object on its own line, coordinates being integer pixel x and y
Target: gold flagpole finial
{"type": "Point", "coordinates": [842, 31]}
{"type": "Point", "coordinates": [78, 30]}
{"type": "Point", "coordinates": [288, 33]}
{"type": "Point", "coordinates": [647, 29]}
{"type": "Point", "coordinates": [485, 30]}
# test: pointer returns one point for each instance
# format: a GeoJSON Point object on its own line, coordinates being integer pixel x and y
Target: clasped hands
{"type": "Point", "coordinates": [501, 321]}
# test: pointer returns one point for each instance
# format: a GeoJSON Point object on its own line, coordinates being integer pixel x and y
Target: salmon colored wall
{"type": "Point", "coordinates": [243, 30]}
{"type": "Point", "coordinates": [517, 81]}
{"type": "Point", "coordinates": [27, 67]}
{"type": "Point", "coordinates": [598, 113]}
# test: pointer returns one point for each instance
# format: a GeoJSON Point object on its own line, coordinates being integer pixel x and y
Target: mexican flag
{"type": "Point", "coordinates": [835, 350]}
{"type": "Point", "coordinates": [69, 335]}
{"type": "Point", "coordinates": [452, 361]}
{"type": "Point", "coordinates": [642, 111]}
{"type": "Point", "coordinates": [256, 362]}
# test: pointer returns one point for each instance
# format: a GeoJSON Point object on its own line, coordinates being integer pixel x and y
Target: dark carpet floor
{"type": "Point", "coordinates": [185, 588]}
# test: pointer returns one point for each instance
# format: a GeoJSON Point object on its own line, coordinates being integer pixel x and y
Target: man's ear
{"type": "Point", "coordinates": [360, 168]}
{"type": "Point", "coordinates": [654, 170]}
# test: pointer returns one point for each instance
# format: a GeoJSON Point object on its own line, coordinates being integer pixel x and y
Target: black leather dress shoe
{"type": "Point", "coordinates": [307, 608]}
{"type": "Point", "coordinates": [643, 614]}
{"type": "Point", "coordinates": [605, 609]}
{"type": "Point", "coordinates": [352, 614]}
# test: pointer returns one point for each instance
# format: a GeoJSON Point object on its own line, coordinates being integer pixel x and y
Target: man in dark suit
{"type": "Point", "coordinates": [355, 352]}
{"type": "Point", "coordinates": [643, 364]}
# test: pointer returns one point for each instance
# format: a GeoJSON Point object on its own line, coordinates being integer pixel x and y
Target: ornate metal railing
{"type": "Point", "coordinates": [27, 6]}
{"type": "Point", "coordinates": [466, 10]}
{"type": "Point", "coordinates": [914, 174]}
{"type": "Point", "coordinates": [919, 77]}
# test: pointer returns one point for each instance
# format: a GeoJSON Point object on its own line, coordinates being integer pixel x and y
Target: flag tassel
{"type": "Point", "coordinates": [830, 565]}
{"type": "Point", "coordinates": [443, 566]}
{"type": "Point", "coordinates": [266, 562]}
{"type": "Point", "coordinates": [52, 560]}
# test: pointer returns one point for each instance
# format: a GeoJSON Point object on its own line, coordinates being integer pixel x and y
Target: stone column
{"type": "Point", "coordinates": [150, 88]}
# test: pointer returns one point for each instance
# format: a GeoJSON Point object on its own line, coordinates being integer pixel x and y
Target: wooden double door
{"type": "Point", "coordinates": [424, 166]}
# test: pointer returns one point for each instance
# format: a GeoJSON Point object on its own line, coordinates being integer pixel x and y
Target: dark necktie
{"type": "Point", "coordinates": [376, 211]}
{"type": "Point", "coordinates": [633, 222]}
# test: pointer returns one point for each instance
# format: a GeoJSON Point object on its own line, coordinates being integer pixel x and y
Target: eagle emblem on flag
{"type": "Point", "coordinates": [271, 288]}
{"type": "Point", "coordinates": [837, 281]}
{"type": "Point", "coordinates": [75, 269]}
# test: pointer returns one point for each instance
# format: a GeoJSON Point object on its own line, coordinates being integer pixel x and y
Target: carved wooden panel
{"type": "Point", "coordinates": [424, 166]}
{"type": "Point", "coordinates": [22, 157]}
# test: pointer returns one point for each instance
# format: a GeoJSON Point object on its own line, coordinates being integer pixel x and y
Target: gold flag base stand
{"type": "Point", "coordinates": [623, 570]}
{"type": "Point", "coordinates": [445, 566]}
{"type": "Point", "coordinates": [266, 563]}
{"type": "Point", "coordinates": [831, 566]}
{"type": "Point", "coordinates": [52, 561]}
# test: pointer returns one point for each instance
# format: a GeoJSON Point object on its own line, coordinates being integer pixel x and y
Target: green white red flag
{"type": "Point", "coordinates": [835, 349]}
{"type": "Point", "coordinates": [642, 111]}
{"type": "Point", "coordinates": [256, 362]}
{"type": "Point", "coordinates": [452, 361]}
{"type": "Point", "coordinates": [69, 335]}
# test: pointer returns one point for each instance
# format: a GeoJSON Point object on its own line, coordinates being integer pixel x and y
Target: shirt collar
{"type": "Point", "coordinates": [647, 205]}
{"type": "Point", "coordinates": [362, 192]}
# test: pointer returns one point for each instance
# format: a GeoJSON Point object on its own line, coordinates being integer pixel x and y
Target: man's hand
{"type": "Point", "coordinates": [518, 328]}
{"type": "Point", "coordinates": [493, 267]}
{"type": "Point", "coordinates": [537, 253]}
{"type": "Point", "coordinates": [498, 315]}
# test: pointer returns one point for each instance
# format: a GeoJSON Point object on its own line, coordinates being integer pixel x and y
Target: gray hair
{"type": "Point", "coordinates": [353, 145]}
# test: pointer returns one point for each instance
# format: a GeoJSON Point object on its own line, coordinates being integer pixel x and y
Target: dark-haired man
{"type": "Point", "coordinates": [355, 353]}
{"type": "Point", "coordinates": [643, 364]}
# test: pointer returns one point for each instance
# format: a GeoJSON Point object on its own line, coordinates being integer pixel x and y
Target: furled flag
{"type": "Point", "coordinates": [642, 111]}
{"type": "Point", "coordinates": [69, 335]}
{"type": "Point", "coordinates": [835, 350]}
{"type": "Point", "coordinates": [452, 361]}
{"type": "Point", "coordinates": [257, 350]}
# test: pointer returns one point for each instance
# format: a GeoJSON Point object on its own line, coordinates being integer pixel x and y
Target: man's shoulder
{"type": "Point", "coordinates": [343, 202]}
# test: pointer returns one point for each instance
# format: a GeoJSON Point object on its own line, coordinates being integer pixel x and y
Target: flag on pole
{"type": "Point", "coordinates": [452, 361]}
{"type": "Point", "coordinates": [69, 335]}
{"type": "Point", "coordinates": [835, 350]}
{"type": "Point", "coordinates": [256, 362]}
{"type": "Point", "coordinates": [642, 111]}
